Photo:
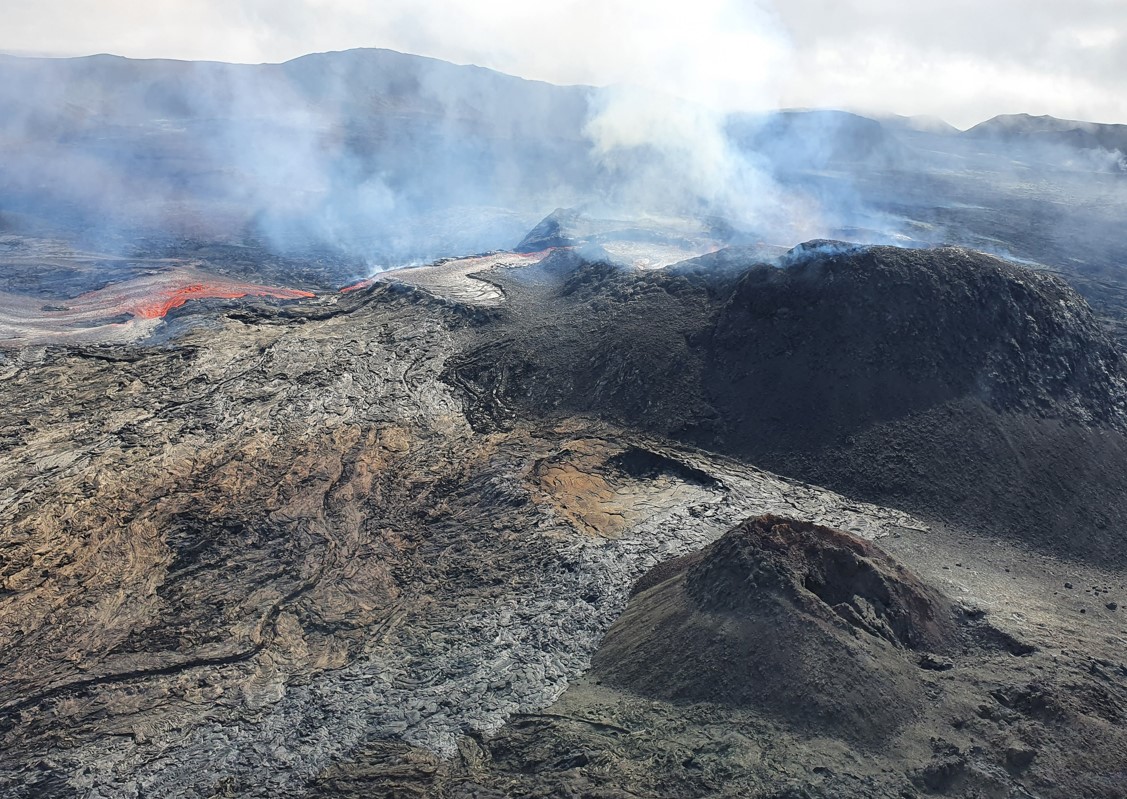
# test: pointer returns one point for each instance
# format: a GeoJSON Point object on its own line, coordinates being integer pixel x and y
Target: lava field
{"type": "Point", "coordinates": [460, 530]}
{"type": "Point", "coordinates": [384, 478]}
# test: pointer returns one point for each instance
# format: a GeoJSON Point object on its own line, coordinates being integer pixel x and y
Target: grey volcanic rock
{"type": "Point", "coordinates": [790, 659]}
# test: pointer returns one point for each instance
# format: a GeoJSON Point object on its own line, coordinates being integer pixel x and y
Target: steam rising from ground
{"type": "Point", "coordinates": [661, 132]}
{"type": "Point", "coordinates": [677, 157]}
{"type": "Point", "coordinates": [393, 159]}
{"type": "Point", "coordinates": [387, 159]}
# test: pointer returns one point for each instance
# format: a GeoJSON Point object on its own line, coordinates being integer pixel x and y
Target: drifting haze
{"type": "Point", "coordinates": [961, 60]}
{"type": "Point", "coordinates": [382, 158]}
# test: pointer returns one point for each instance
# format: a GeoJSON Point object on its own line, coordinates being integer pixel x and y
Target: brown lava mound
{"type": "Point", "coordinates": [812, 626]}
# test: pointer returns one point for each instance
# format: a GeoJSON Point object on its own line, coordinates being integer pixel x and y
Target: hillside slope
{"type": "Point", "coordinates": [944, 381]}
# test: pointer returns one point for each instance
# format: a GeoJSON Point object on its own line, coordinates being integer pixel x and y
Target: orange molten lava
{"type": "Point", "coordinates": [166, 298]}
{"type": "Point", "coordinates": [363, 284]}
{"type": "Point", "coordinates": [96, 315]}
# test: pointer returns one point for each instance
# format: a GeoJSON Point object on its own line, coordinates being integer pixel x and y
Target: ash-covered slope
{"type": "Point", "coordinates": [793, 660]}
{"type": "Point", "coordinates": [945, 381]}
{"type": "Point", "coordinates": [889, 331]}
{"type": "Point", "coordinates": [951, 382]}
{"type": "Point", "coordinates": [801, 622]}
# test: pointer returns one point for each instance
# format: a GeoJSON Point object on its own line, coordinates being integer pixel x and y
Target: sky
{"type": "Point", "coordinates": [961, 60]}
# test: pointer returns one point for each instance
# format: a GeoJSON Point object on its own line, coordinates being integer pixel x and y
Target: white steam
{"type": "Point", "coordinates": [671, 156]}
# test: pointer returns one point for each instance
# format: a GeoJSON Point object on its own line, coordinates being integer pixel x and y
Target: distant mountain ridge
{"type": "Point", "coordinates": [80, 92]}
{"type": "Point", "coordinates": [382, 157]}
{"type": "Point", "coordinates": [1070, 132]}
{"type": "Point", "coordinates": [353, 81]}
{"type": "Point", "coordinates": [922, 123]}
{"type": "Point", "coordinates": [344, 149]}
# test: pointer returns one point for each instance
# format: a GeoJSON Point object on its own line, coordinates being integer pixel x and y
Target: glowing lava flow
{"type": "Point", "coordinates": [168, 297]}
{"type": "Point", "coordinates": [96, 315]}
{"type": "Point", "coordinates": [363, 284]}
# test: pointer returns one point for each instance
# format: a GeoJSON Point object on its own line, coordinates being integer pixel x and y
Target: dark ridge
{"type": "Point", "coordinates": [944, 381]}
{"type": "Point", "coordinates": [814, 139]}
{"type": "Point", "coordinates": [1048, 129]}
{"type": "Point", "coordinates": [553, 230]}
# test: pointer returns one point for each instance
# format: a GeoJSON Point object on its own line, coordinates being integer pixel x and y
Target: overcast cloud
{"type": "Point", "coordinates": [962, 60]}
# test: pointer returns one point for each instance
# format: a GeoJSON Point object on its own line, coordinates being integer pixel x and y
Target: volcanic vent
{"type": "Point", "coordinates": [809, 625]}
{"type": "Point", "coordinates": [946, 382]}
